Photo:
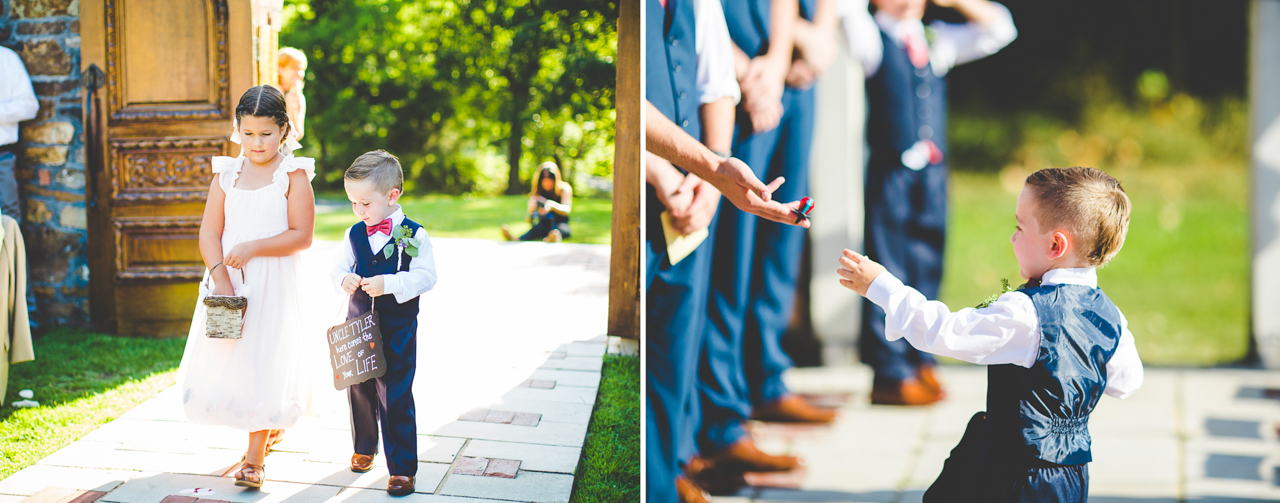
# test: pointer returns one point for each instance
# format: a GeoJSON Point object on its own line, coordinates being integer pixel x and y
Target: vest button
{"type": "Point", "coordinates": [681, 94]}
{"type": "Point", "coordinates": [923, 112]}
{"type": "Point", "coordinates": [674, 42]}
{"type": "Point", "coordinates": [677, 68]}
{"type": "Point", "coordinates": [922, 91]}
{"type": "Point", "coordinates": [925, 132]}
{"type": "Point", "coordinates": [685, 123]}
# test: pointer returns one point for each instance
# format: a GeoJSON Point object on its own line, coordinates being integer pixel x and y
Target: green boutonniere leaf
{"type": "Point", "coordinates": [1004, 288]}
{"type": "Point", "coordinates": [398, 232]}
{"type": "Point", "coordinates": [412, 251]}
{"type": "Point", "coordinates": [388, 250]}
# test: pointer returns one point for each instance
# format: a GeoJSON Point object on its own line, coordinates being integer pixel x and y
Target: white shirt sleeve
{"type": "Point", "coordinates": [17, 98]}
{"type": "Point", "coordinates": [1124, 370]}
{"type": "Point", "coordinates": [419, 279]}
{"type": "Point", "coordinates": [1007, 331]}
{"type": "Point", "coordinates": [956, 44]}
{"type": "Point", "coordinates": [863, 35]}
{"type": "Point", "coordinates": [344, 262]}
{"type": "Point", "coordinates": [716, 76]}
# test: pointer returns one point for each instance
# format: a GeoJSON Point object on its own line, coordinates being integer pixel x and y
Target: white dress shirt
{"type": "Point", "coordinates": [953, 44]}
{"type": "Point", "coordinates": [1007, 331]}
{"type": "Point", "coordinates": [17, 98]}
{"type": "Point", "coordinates": [405, 285]}
{"type": "Point", "coordinates": [716, 76]}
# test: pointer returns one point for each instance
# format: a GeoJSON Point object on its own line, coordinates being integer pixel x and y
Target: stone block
{"type": "Point", "coordinates": [38, 212]}
{"type": "Point", "coordinates": [52, 156]}
{"type": "Point", "coordinates": [75, 26]}
{"type": "Point", "coordinates": [71, 178]}
{"type": "Point", "coordinates": [45, 57]}
{"type": "Point", "coordinates": [504, 468]}
{"type": "Point", "coordinates": [471, 466]}
{"type": "Point", "coordinates": [540, 458]}
{"type": "Point", "coordinates": [39, 28]}
{"type": "Point", "coordinates": [73, 217]}
{"type": "Point", "coordinates": [47, 110]}
{"type": "Point", "coordinates": [55, 88]}
{"type": "Point", "coordinates": [49, 253]}
{"type": "Point", "coordinates": [526, 419]}
{"type": "Point", "coordinates": [499, 416]}
{"type": "Point", "coordinates": [31, 9]}
{"type": "Point", "coordinates": [59, 133]}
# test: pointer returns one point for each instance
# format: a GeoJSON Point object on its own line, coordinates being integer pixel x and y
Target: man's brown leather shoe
{"type": "Point", "coordinates": [400, 485]}
{"type": "Point", "coordinates": [908, 392]}
{"type": "Point", "coordinates": [791, 408]}
{"type": "Point", "coordinates": [743, 456]}
{"type": "Point", "coordinates": [929, 379]}
{"type": "Point", "coordinates": [361, 463]}
{"type": "Point", "coordinates": [688, 492]}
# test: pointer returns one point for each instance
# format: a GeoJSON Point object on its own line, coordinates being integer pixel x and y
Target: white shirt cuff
{"type": "Point", "coordinates": [391, 285]}
{"type": "Point", "coordinates": [884, 286]}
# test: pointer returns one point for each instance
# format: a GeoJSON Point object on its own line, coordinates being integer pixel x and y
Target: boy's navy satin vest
{"type": "Point", "coordinates": [907, 105]}
{"type": "Point", "coordinates": [748, 22]}
{"type": "Point", "coordinates": [1042, 413]}
{"type": "Point", "coordinates": [393, 315]}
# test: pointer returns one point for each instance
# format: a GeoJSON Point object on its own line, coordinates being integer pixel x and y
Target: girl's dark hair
{"type": "Point", "coordinates": [264, 101]}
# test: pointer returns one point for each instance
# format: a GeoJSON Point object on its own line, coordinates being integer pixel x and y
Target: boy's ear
{"type": "Point", "coordinates": [394, 194]}
{"type": "Point", "coordinates": [1061, 243]}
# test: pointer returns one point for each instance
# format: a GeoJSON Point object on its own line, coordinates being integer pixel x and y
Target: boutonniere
{"type": "Point", "coordinates": [1004, 288]}
{"type": "Point", "coordinates": [402, 238]}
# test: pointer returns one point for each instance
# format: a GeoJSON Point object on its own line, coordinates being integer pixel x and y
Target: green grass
{"type": "Point", "coordinates": [82, 381]}
{"type": "Point", "coordinates": [609, 470]}
{"type": "Point", "coordinates": [478, 218]}
{"type": "Point", "coordinates": [1181, 279]}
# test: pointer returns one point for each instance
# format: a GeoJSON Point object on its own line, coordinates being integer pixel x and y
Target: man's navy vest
{"type": "Point", "coordinates": [907, 104]}
{"type": "Point", "coordinates": [671, 64]}
{"type": "Point", "coordinates": [748, 22]}
{"type": "Point", "coordinates": [393, 315]}
{"type": "Point", "coordinates": [1042, 413]}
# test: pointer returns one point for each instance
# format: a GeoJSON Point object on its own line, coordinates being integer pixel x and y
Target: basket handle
{"type": "Point", "coordinates": [209, 277]}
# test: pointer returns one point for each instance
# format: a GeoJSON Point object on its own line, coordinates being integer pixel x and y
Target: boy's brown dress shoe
{"type": "Point", "coordinates": [400, 485]}
{"type": "Point", "coordinates": [715, 481]}
{"type": "Point", "coordinates": [743, 456]}
{"type": "Point", "coordinates": [908, 392]}
{"type": "Point", "coordinates": [927, 377]}
{"type": "Point", "coordinates": [361, 463]}
{"type": "Point", "coordinates": [688, 492]}
{"type": "Point", "coordinates": [791, 408]}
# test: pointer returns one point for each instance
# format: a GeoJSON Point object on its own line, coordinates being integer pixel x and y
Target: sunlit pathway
{"type": "Point", "coordinates": [509, 355]}
{"type": "Point", "coordinates": [1198, 435]}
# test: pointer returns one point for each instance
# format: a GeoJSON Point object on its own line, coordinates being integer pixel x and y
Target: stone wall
{"type": "Point", "coordinates": [51, 176]}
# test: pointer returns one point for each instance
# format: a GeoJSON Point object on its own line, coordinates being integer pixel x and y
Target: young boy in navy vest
{"type": "Point", "coordinates": [390, 283]}
{"type": "Point", "coordinates": [1053, 347]}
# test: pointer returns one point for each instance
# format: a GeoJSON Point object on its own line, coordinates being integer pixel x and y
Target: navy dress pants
{"type": "Point", "coordinates": [388, 400]}
{"type": "Point", "coordinates": [676, 311]}
{"type": "Point", "coordinates": [974, 473]}
{"type": "Point", "coordinates": [754, 282]}
{"type": "Point", "coordinates": [906, 225]}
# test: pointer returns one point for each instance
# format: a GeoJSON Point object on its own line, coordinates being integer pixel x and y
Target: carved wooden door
{"type": "Point", "coordinates": [171, 71]}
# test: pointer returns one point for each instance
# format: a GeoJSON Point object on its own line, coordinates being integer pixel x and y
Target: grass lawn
{"type": "Point", "coordinates": [1181, 279]}
{"type": "Point", "coordinates": [476, 218]}
{"type": "Point", "coordinates": [82, 381]}
{"type": "Point", "coordinates": [609, 470]}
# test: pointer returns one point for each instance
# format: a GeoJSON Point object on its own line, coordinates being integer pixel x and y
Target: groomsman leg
{"type": "Point", "coordinates": [363, 399]}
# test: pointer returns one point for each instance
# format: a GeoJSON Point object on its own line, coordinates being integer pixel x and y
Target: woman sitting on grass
{"type": "Point", "coordinates": [550, 202]}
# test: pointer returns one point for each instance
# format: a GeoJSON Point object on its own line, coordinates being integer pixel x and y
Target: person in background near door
{"type": "Point", "coordinates": [293, 69]}
{"type": "Point", "coordinates": [17, 103]}
{"type": "Point", "coordinates": [550, 202]}
{"type": "Point", "coordinates": [906, 191]}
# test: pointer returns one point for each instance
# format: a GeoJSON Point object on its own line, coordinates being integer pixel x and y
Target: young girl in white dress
{"type": "Point", "coordinates": [260, 214]}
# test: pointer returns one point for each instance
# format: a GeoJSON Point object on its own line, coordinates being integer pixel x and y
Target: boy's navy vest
{"type": "Point", "coordinates": [393, 315]}
{"type": "Point", "coordinates": [1041, 414]}
{"type": "Point", "coordinates": [907, 104]}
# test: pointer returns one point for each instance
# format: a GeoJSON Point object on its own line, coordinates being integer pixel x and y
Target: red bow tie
{"type": "Point", "coordinates": [383, 227]}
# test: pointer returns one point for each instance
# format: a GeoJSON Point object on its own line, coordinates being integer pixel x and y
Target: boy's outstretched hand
{"type": "Point", "coordinates": [350, 283]}
{"type": "Point", "coordinates": [373, 286]}
{"type": "Point", "coordinates": [857, 272]}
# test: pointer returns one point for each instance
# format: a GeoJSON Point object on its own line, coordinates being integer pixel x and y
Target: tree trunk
{"type": "Point", "coordinates": [515, 147]}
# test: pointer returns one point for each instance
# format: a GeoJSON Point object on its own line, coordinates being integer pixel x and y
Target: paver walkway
{"type": "Point", "coordinates": [1200, 435]}
{"type": "Point", "coordinates": [509, 357]}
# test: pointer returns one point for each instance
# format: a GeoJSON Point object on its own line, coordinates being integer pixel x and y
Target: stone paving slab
{"type": "Point", "coordinates": [1188, 436]}
{"type": "Point", "coordinates": [527, 486]}
{"type": "Point", "coordinates": [467, 359]}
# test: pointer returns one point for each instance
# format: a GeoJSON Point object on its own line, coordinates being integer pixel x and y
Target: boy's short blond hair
{"type": "Point", "coordinates": [1087, 203]}
{"type": "Point", "coordinates": [290, 56]}
{"type": "Point", "coordinates": [379, 167]}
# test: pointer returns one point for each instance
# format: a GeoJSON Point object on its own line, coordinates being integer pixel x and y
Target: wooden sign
{"type": "Point", "coordinates": [355, 350]}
